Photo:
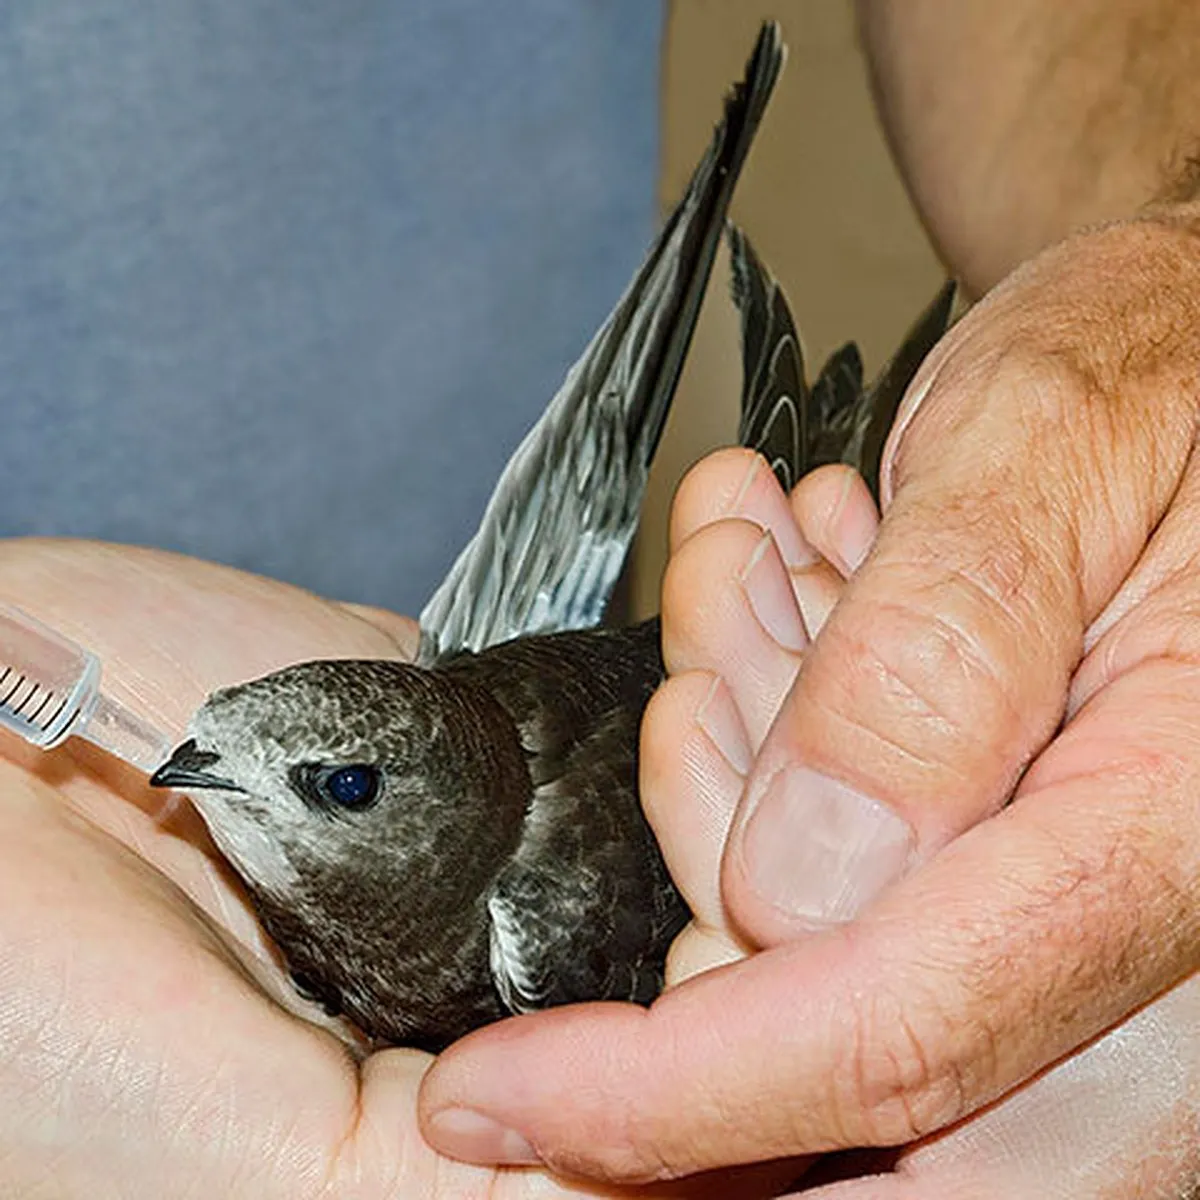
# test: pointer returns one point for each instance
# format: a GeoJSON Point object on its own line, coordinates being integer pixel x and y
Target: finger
{"type": "Point", "coordinates": [1025, 488]}
{"type": "Point", "coordinates": [835, 512]}
{"type": "Point", "coordinates": [737, 482]}
{"type": "Point", "coordinates": [959, 983]}
{"type": "Point", "coordinates": [1119, 1118]}
{"type": "Point", "coordinates": [838, 518]}
{"type": "Point", "coordinates": [403, 631]}
{"type": "Point", "coordinates": [1153, 611]}
{"type": "Point", "coordinates": [385, 1155]}
{"type": "Point", "coordinates": [700, 948]}
{"type": "Point", "coordinates": [694, 757]}
{"type": "Point", "coordinates": [829, 514]}
{"type": "Point", "coordinates": [729, 608]}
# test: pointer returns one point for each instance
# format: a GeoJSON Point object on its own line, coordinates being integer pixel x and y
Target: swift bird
{"type": "Point", "coordinates": [436, 845]}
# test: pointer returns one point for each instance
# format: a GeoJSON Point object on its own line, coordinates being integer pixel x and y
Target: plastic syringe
{"type": "Point", "coordinates": [50, 691]}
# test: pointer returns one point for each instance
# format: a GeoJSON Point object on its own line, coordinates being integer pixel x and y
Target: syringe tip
{"type": "Point", "coordinates": [121, 732]}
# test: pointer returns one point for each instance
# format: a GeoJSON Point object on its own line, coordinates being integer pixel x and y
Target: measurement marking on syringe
{"type": "Point", "coordinates": [29, 696]}
{"type": "Point", "coordinates": [57, 713]}
{"type": "Point", "coordinates": [37, 712]}
{"type": "Point", "coordinates": [13, 691]}
{"type": "Point", "coordinates": [17, 709]}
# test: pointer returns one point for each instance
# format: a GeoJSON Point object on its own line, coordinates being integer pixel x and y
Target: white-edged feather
{"type": "Point", "coordinates": [557, 529]}
{"type": "Point", "coordinates": [511, 956]}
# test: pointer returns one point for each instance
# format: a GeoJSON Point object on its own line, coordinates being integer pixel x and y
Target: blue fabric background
{"type": "Point", "coordinates": [283, 282]}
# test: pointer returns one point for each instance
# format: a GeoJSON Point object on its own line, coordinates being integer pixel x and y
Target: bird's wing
{"type": "Point", "coordinates": [776, 402]}
{"type": "Point", "coordinates": [838, 419]}
{"type": "Point", "coordinates": [585, 907]}
{"type": "Point", "coordinates": [556, 530]}
{"type": "Point", "coordinates": [585, 910]}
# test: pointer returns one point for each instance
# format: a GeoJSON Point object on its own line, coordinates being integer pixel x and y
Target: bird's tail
{"type": "Point", "coordinates": [839, 419]}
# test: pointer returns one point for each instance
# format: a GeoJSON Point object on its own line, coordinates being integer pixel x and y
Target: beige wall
{"type": "Point", "coordinates": [820, 197]}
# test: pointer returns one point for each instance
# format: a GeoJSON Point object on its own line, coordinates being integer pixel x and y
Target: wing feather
{"type": "Point", "coordinates": [557, 528]}
{"type": "Point", "coordinates": [838, 419]}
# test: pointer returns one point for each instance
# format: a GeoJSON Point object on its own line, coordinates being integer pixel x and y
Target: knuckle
{"type": "Point", "coordinates": [894, 1088]}
{"type": "Point", "coordinates": [944, 672]}
{"type": "Point", "coordinates": [621, 1165]}
{"type": "Point", "coordinates": [634, 1153]}
{"type": "Point", "coordinates": [701, 595]}
{"type": "Point", "coordinates": [1076, 400]}
{"type": "Point", "coordinates": [710, 489]}
{"type": "Point", "coordinates": [921, 1058]}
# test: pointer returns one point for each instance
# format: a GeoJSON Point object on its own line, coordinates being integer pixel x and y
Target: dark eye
{"type": "Point", "coordinates": [343, 788]}
{"type": "Point", "coordinates": [355, 786]}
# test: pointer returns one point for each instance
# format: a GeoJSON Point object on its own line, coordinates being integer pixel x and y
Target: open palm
{"type": "Point", "coordinates": [146, 1042]}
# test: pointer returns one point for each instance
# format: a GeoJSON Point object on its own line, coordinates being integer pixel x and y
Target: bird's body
{"type": "Point", "coordinates": [435, 845]}
{"type": "Point", "coordinates": [514, 869]}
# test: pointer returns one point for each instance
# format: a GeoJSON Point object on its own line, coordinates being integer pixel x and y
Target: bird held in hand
{"type": "Point", "coordinates": [436, 845]}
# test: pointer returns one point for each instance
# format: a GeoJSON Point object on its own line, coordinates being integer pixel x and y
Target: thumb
{"type": "Point", "coordinates": [1024, 485]}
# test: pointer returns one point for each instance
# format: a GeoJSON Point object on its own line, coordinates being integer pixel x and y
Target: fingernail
{"type": "Point", "coordinates": [769, 592]}
{"type": "Point", "coordinates": [904, 418]}
{"type": "Point", "coordinates": [818, 850]}
{"type": "Point", "coordinates": [854, 528]}
{"type": "Point", "coordinates": [757, 463]}
{"type": "Point", "coordinates": [768, 507]}
{"type": "Point", "coordinates": [468, 1135]}
{"type": "Point", "coordinates": [816, 595]}
{"type": "Point", "coordinates": [719, 719]}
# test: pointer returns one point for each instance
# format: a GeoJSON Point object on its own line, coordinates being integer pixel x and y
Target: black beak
{"type": "Point", "coordinates": [187, 768]}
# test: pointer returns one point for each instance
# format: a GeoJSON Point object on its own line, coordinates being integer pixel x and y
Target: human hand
{"type": "Point", "coordinates": [1034, 565]}
{"type": "Point", "coordinates": [1118, 1118]}
{"type": "Point", "coordinates": [145, 1046]}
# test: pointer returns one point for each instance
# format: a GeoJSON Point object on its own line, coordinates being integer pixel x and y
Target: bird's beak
{"type": "Point", "coordinates": [187, 768]}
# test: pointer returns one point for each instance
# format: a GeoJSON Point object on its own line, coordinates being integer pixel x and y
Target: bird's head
{"type": "Point", "coordinates": [334, 769]}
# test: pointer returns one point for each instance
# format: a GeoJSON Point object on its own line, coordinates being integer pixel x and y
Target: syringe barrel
{"type": "Point", "coordinates": [46, 681]}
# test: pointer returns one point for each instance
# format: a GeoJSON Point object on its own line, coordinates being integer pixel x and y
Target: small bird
{"type": "Point", "coordinates": [437, 845]}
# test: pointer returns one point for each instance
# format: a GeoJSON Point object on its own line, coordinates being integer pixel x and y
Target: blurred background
{"type": "Point", "coordinates": [284, 283]}
{"type": "Point", "coordinates": [821, 199]}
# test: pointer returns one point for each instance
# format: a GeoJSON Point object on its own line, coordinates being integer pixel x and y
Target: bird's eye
{"type": "Point", "coordinates": [344, 788]}
{"type": "Point", "coordinates": [351, 787]}
{"type": "Point", "coordinates": [354, 786]}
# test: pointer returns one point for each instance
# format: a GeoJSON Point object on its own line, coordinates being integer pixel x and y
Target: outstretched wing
{"type": "Point", "coordinates": [557, 528]}
{"type": "Point", "coordinates": [839, 419]}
